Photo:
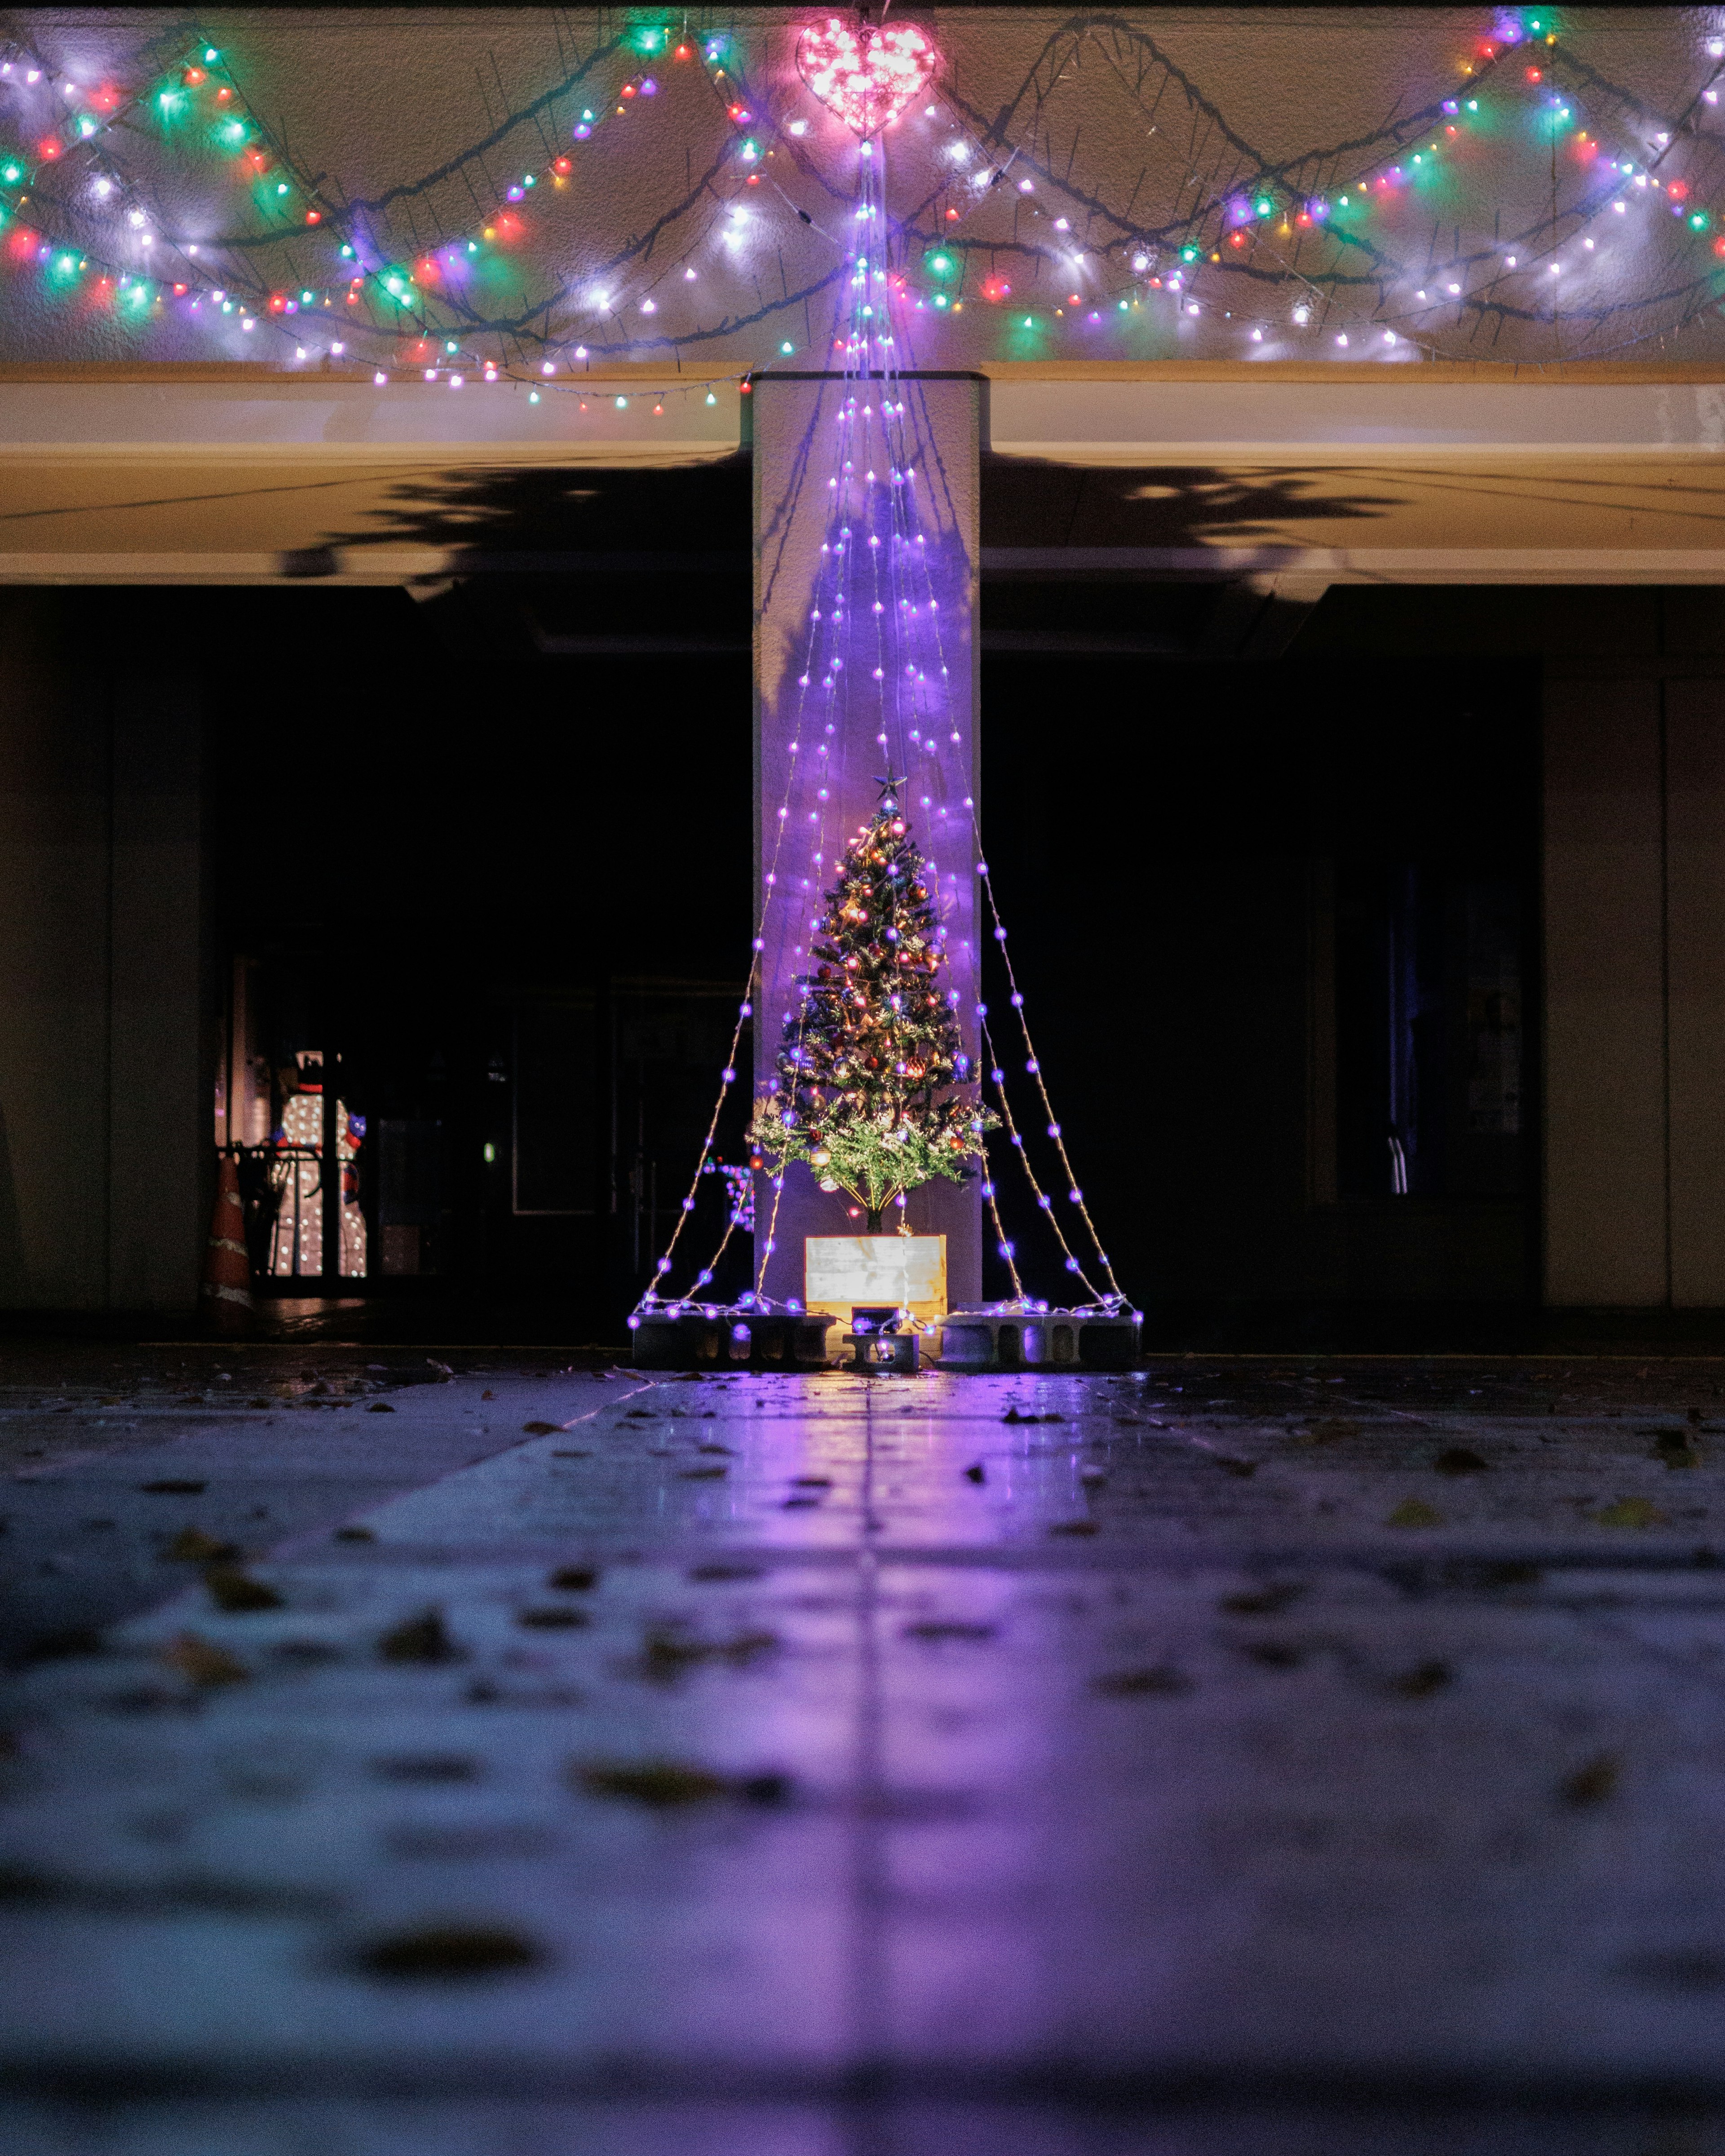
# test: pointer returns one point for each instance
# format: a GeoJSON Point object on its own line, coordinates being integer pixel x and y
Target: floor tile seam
{"type": "Point", "coordinates": [634, 1556]}
{"type": "Point", "coordinates": [426, 2074]}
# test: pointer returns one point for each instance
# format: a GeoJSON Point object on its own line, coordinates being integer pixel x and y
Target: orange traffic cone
{"type": "Point", "coordinates": [226, 1267]}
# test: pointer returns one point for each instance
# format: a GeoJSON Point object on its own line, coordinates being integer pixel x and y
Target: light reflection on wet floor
{"type": "Point", "coordinates": [751, 1732]}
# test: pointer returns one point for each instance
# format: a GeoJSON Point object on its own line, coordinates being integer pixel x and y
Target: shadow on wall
{"type": "Point", "coordinates": [503, 516]}
{"type": "Point", "coordinates": [1032, 502]}
{"type": "Point", "coordinates": [520, 513]}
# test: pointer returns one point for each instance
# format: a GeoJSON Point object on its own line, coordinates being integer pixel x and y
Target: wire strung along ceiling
{"type": "Point", "coordinates": [1092, 198]}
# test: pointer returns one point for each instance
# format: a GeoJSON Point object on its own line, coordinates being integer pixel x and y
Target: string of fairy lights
{"type": "Point", "coordinates": [1224, 239]}
{"type": "Point", "coordinates": [874, 661]}
{"type": "Point", "coordinates": [1319, 232]}
{"type": "Point", "coordinates": [1315, 236]}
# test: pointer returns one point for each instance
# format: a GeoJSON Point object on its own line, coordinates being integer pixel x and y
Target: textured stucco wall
{"type": "Point", "coordinates": [1126, 125]}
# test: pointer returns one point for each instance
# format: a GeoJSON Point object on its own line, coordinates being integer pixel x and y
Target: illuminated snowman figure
{"type": "Point", "coordinates": [297, 1180]}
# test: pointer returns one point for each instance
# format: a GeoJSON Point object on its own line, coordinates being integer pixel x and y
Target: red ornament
{"type": "Point", "coordinates": [866, 75]}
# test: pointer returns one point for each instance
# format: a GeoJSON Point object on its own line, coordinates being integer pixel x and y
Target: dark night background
{"type": "Point", "coordinates": [504, 871]}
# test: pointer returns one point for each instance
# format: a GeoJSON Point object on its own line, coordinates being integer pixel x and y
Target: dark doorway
{"type": "Point", "coordinates": [1281, 920]}
{"type": "Point", "coordinates": [508, 888]}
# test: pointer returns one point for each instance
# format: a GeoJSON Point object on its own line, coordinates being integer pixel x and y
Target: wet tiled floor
{"type": "Point", "coordinates": [1176, 1761]}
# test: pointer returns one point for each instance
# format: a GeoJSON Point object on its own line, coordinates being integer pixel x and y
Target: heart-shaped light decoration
{"type": "Point", "coordinates": [866, 75]}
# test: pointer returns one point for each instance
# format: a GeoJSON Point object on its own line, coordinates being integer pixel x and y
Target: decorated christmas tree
{"type": "Point", "coordinates": [875, 1091]}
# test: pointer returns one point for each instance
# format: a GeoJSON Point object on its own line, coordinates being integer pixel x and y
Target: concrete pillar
{"type": "Point", "coordinates": [1634, 905]}
{"type": "Point", "coordinates": [1606, 1223]}
{"type": "Point", "coordinates": [1695, 966]}
{"type": "Point", "coordinates": [103, 1106]}
{"type": "Point", "coordinates": [794, 421]}
{"type": "Point", "coordinates": [160, 1078]}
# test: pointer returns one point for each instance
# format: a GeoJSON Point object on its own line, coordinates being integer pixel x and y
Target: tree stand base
{"type": "Point", "coordinates": [883, 1352]}
{"type": "Point", "coordinates": [731, 1339]}
{"type": "Point", "coordinates": [1040, 1340]}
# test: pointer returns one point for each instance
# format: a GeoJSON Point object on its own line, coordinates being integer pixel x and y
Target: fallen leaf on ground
{"type": "Point", "coordinates": [1073, 1527]}
{"type": "Point", "coordinates": [544, 1428]}
{"type": "Point", "coordinates": [442, 1953]}
{"type": "Point", "coordinates": [355, 1535]}
{"type": "Point", "coordinates": [380, 1407]}
{"type": "Point", "coordinates": [172, 1486]}
{"type": "Point", "coordinates": [1161, 1683]}
{"type": "Point", "coordinates": [1462, 1459]}
{"type": "Point", "coordinates": [1632, 1512]}
{"type": "Point", "coordinates": [660, 1784]}
{"type": "Point", "coordinates": [192, 1545]}
{"type": "Point", "coordinates": [231, 1588]}
{"type": "Point", "coordinates": [667, 1654]}
{"type": "Point", "coordinates": [1414, 1513]}
{"type": "Point", "coordinates": [1263, 1601]}
{"type": "Point", "coordinates": [558, 1617]}
{"type": "Point", "coordinates": [701, 1474]}
{"type": "Point", "coordinates": [202, 1662]}
{"type": "Point", "coordinates": [1423, 1679]}
{"type": "Point", "coordinates": [1677, 1448]}
{"type": "Point", "coordinates": [574, 1578]}
{"type": "Point", "coordinates": [1594, 1782]}
{"type": "Point", "coordinates": [421, 1638]}
{"type": "Point", "coordinates": [1274, 1654]}
{"type": "Point", "coordinates": [976, 1472]}
{"type": "Point", "coordinates": [939, 1627]}
{"type": "Point", "coordinates": [431, 1767]}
